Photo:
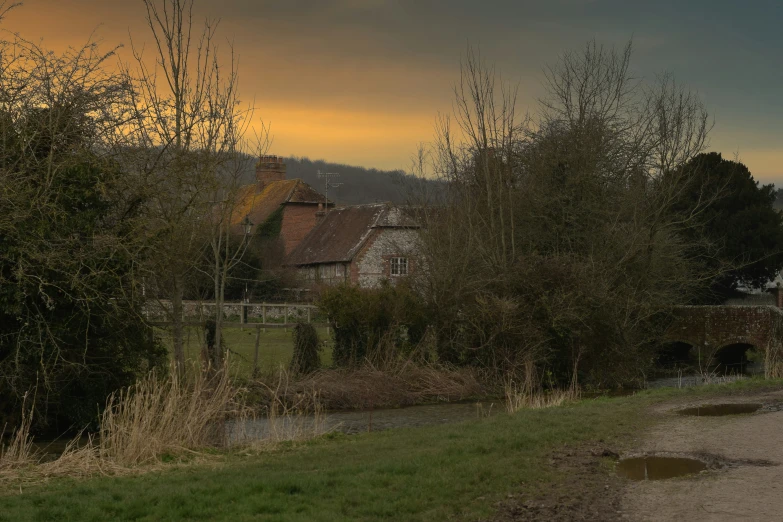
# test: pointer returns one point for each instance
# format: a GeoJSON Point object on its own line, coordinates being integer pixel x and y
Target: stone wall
{"type": "Point", "coordinates": [372, 264]}
{"type": "Point", "coordinates": [710, 328]}
{"type": "Point", "coordinates": [196, 311]}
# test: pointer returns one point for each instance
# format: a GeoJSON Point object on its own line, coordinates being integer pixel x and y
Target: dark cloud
{"type": "Point", "coordinates": [379, 58]}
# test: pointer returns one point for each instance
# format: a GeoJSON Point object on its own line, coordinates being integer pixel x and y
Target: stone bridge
{"type": "Point", "coordinates": [711, 330]}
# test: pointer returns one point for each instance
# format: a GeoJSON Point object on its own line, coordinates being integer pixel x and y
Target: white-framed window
{"type": "Point", "coordinates": [399, 266]}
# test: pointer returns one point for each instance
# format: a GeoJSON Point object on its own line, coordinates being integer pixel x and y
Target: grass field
{"type": "Point", "coordinates": [456, 471]}
{"type": "Point", "coordinates": [275, 347]}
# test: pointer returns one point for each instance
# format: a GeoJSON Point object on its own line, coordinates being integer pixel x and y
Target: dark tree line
{"type": "Point", "coordinates": [360, 185]}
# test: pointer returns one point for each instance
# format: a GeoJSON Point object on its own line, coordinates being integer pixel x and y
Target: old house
{"type": "Point", "coordinates": [361, 245]}
{"type": "Point", "coordinates": [284, 210]}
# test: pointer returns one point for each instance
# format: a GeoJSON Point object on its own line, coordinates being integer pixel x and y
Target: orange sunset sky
{"type": "Point", "coordinates": [362, 81]}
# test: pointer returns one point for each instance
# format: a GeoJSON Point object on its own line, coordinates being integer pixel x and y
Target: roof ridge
{"type": "Point", "coordinates": [338, 237]}
{"type": "Point", "coordinates": [293, 187]}
{"type": "Point", "coordinates": [355, 250]}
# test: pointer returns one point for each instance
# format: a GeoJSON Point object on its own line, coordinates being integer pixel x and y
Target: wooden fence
{"type": "Point", "coordinates": [259, 327]}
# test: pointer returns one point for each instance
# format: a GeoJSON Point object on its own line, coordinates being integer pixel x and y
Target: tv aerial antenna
{"type": "Point", "coordinates": [328, 183]}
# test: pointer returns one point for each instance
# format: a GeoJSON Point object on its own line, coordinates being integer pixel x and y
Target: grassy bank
{"type": "Point", "coordinates": [434, 473]}
{"type": "Point", "coordinates": [275, 347]}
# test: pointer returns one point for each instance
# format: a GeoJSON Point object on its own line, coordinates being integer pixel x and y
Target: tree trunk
{"type": "Point", "coordinates": [217, 353]}
{"type": "Point", "coordinates": [176, 320]}
{"type": "Point", "coordinates": [219, 323]}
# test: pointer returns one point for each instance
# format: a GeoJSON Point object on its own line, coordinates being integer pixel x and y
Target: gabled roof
{"type": "Point", "coordinates": [343, 231]}
{"type": "Point", "coordinates": [259, 205]}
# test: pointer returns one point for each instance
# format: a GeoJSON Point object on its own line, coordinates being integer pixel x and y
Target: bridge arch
{"type": "Point", "coordinates": [675, 354]}
{"type": "Point", "coordinates": [728, 333]}
{"type": "Point", "coordinates": [733, 357]}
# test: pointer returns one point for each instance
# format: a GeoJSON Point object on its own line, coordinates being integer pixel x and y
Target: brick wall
{"type": "Point", "coordinates": [710, 328]}
{"type": "Point", "coordinates": [298, 221]}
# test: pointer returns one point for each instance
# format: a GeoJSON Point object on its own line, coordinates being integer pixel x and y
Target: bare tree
{"type": "Point", "coordinates": [193, 128]}
{"type": "Point", "coordinates": [562, 224]}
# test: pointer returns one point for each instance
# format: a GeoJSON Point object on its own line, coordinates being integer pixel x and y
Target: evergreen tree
{"type": "Point", "coordinates": [739, 220]}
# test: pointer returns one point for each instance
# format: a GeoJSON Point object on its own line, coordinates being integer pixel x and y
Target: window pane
{"type": "Point", "coordinates": [399, 266]}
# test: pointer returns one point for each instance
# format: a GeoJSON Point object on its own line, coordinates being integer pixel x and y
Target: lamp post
{"type": "Point", "coordinates": [247, 226]}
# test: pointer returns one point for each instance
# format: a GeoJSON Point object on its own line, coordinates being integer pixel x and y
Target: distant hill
{"type": "Point", "coordinates": [359, 184]}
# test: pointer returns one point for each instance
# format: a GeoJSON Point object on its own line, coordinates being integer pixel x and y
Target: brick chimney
{"type": "Point", "coordinates": [269, 169]}
{"type": "Point", "coordinates": [320, 214]}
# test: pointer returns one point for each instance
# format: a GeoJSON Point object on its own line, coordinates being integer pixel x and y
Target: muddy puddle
{"type": "Point", "coordinates": [719, 410]}
{"type": "Point", "coordinates": [658, 468]}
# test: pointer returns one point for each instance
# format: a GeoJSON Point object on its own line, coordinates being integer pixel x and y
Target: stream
{"type": "Point", "coordinates": [352, 422]}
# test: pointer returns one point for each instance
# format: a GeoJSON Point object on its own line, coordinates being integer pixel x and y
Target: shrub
{"type": "Point", "coordinates": [374, 324]}
{"type": "Point", "coordinates": [306, 349]}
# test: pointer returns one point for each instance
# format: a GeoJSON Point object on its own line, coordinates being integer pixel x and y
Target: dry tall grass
{"type": "Point", "coordinates": [290, 417]}
{"type": "Point", "coordinates": [517, 399]}
{"type": "Point", "coordinates": [158, 416]}
{"type": "Point", "coordinates": [773, 362]}
{"type": "Point", "coordinates": [528, 393]}
{"type": "Point", "coordinates": [18, 452]}
{"type": "Point", "coordinates": [369, 386]}
{"type": "Point", "coordinates": [166, 415]}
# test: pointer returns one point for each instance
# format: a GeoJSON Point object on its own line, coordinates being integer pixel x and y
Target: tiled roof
{"type": "Point", "coordinates": [258, 206]}
{"type": "Point", "coordinates": [343, 231]}
{"type": "Point", "coordinates": [304, 193]}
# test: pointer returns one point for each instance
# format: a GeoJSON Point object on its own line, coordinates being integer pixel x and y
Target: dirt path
{"type": "Point", "coordinates": [747, 451]}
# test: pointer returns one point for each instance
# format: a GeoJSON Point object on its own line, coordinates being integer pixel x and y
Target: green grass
{"type": "Point", "coordinates": [275, 347]}
{"type": "Point", "coordinates": [433, 473]}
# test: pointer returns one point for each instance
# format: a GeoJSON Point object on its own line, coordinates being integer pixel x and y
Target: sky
{"type": "Point", "coordinates": [362, 82]}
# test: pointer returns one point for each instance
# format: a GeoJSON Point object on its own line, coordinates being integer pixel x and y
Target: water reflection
{"type": "Point", "coordinates": [719, 410]}
{"type": "Point", "coordinates": [717, 375]}
{"type": "Point", "coordinates": [658, 468]}
{"type": "Point", "coordinates": [352, 422]}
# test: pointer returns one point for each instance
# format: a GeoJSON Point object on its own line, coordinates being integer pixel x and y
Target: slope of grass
{"type": "Point", "coordinates": [445, 472]}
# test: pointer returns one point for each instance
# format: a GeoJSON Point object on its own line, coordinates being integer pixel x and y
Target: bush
{"type": "Point", "coordinates": [306, 349]}
{"type": "Point", "coordinates": [73, 235]}
{"type": "Point", "coordinates": [374, 324]}
{"type": "Point", "coordinates": [71, 326]}
{"type": "Point", "coordinates": [210, 350]}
